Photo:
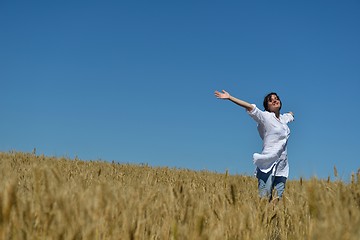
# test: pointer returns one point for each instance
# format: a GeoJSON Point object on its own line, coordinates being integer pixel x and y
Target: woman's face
{"type": "Point", "coordinates": [274, 103]}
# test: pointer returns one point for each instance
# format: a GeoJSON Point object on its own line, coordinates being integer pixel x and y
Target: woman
{"type": "Point", "coordinates": [272, 168]}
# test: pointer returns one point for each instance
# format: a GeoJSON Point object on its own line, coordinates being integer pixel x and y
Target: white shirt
{"type": "Point", "coordinates": [275, 134]}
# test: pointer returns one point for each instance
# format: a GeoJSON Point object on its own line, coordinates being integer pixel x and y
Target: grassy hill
{"type": "Point", "coordinates": [59, 198]}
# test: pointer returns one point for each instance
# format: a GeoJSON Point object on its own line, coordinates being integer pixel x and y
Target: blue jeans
{"type": "Point", "coordinates": [267, 182]}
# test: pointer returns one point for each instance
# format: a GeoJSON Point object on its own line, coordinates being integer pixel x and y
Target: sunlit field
{"type": "Point", "coordinates": [60, 198]}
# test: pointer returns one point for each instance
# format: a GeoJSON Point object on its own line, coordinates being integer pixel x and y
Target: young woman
{"type": "Point", "coordinates": [272, 168]}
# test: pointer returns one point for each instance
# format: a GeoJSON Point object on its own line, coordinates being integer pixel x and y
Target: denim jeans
{"type": "Point", "coordinates": [267, 182]}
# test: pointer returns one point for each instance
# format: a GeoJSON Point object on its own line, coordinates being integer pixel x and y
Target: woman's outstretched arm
{"type": "Point", "coordinates": [226, 96]}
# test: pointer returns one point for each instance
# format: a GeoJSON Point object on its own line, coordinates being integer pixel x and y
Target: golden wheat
{"type": "Point", "coordinates": [61, 198]}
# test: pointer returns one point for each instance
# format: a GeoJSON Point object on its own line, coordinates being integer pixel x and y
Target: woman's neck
{"type": "Point", "coordinates": [277, 114]}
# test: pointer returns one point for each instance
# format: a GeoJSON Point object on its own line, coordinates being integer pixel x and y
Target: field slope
{"type": "Point", "coordinates": [60, 198]}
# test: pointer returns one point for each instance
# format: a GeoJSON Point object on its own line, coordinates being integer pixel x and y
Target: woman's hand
{"type": "Point", "coordinates": [223, 95]}
{"type": "Point", "coordinates": [226, 95]}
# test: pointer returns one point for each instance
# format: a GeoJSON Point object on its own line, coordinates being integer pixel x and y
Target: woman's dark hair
{"type": "Point", "coordinates": [267, 98]}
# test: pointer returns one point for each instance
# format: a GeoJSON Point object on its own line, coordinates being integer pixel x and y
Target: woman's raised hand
{"type": "Point", "coordinates": [223, 95]}
{"type": "Point", "coordinates": [242, 103]}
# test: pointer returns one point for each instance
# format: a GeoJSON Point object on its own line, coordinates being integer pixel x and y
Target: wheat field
{"type": "Point", "coordinates": [60, 198]}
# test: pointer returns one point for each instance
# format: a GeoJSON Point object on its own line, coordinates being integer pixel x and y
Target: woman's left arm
{"type": "Point", "coordinates": [289, 117]}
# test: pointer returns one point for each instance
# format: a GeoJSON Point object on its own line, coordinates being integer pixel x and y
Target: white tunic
{"type": "Point", "coordinates": [275, 134]}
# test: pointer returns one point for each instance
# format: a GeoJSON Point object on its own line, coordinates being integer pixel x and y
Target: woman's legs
{"type": "Point", "coordinates": [267, 182]}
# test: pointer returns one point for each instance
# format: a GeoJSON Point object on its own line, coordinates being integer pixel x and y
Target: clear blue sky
{"type": "Point", "coordinates": [133, 81]}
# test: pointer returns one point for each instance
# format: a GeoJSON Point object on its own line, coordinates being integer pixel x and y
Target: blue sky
{"type": "Point", "coordinates": [133, 81]}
